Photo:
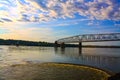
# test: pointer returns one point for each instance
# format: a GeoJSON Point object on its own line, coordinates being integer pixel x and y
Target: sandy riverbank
{"type": "Point", "coordinates": [51, 71]}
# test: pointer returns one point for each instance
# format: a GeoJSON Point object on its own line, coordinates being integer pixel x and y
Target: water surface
{"type": "Point", "coordinates": [104, 58]}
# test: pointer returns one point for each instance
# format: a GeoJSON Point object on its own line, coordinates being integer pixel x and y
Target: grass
{"type": "Point", "coordinates": [51, 71]}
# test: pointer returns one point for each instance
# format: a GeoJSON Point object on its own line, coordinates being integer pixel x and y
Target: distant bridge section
{"type": "Point", "coordinates": [91, 38]}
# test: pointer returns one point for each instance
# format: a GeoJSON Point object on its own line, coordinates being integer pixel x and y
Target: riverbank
{"type": "Point", "coordinates": [10, 42]}
{"type": "Point", "coordinates": [51, 71]}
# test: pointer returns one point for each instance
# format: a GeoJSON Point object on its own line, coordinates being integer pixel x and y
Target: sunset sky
{"type": "Point", "coordinates": [49, 20]}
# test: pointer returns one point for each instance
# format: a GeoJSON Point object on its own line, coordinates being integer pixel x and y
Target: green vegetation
{"type": "Point", "coordinates": [30, 43]}
{"type": "Point", "coordinates": [52, 71]}
{"type": "Point", "coordinates": [24, 43]}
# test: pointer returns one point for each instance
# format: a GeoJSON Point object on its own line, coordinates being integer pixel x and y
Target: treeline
{"type": "Point", "coordinates": [24, 43]}
{"type": "Point", "coordinates": [30, 43]}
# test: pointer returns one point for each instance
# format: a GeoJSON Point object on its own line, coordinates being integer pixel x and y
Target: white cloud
{"type": "Point", "coordinates": [45, 10]}
{"type": "Point", "coordinates": [92, 23]}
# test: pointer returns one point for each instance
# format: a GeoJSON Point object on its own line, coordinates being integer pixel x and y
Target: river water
{"type": "Point", "coordinates": [104, 58]}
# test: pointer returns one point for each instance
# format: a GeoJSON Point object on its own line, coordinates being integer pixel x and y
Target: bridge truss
{"type": "Point", "coordinates": [91, 38]}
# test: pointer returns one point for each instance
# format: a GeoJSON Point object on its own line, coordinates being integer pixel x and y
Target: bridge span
{"type": "Point", "coordinates": [89, 38]}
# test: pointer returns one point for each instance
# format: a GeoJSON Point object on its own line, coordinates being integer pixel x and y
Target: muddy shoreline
{"type": "Point", "coordinates": [52, 71]}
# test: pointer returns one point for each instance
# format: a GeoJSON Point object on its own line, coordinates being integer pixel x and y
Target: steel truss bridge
{"type": "Point", "coordinates": [90, 38]}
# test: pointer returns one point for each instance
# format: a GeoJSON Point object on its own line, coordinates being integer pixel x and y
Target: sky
{"type": "Point", "coordinates": [50, 20]}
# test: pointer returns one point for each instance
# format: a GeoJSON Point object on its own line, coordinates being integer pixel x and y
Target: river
{"type": "Point", "coordinates": [104, 58]}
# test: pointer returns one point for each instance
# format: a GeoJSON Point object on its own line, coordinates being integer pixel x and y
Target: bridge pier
{"type": "Point", "coordinates": [62, 45]}
{"type": "Point", "coordinates": [80, 48]}
{"type": "Point", "coordinates": [80, 44]}
{"type": "Point", "coordinates": [56, 44]}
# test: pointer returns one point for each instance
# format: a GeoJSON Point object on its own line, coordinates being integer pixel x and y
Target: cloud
{"type": "Point", "coordinates": [93, 23]}
{"type": "Point", "coordinates": [45, 10]}
{"type": "Point", "coordinates": [6, 20]}
{"type": "Point", "coordinates": [1, 21]}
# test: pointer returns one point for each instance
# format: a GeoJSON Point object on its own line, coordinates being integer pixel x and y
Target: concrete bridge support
{"type": "Point", "coordinates": [62, 45]}
{"type": "Point", "coordinates": [56, 44]}
{"type": "Point", "coordinates": [80, 47]}
{"type": "Point", "coordinates": [80, 44]}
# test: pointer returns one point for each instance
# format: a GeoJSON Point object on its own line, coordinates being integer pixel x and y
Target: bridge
{"type": "Point", "coordinates": [89, 38]}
